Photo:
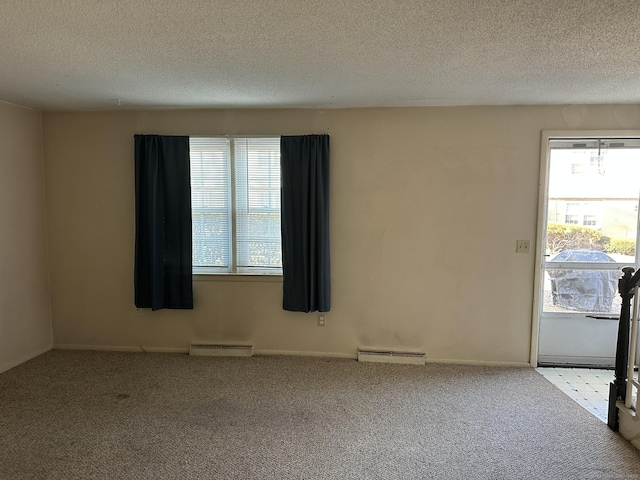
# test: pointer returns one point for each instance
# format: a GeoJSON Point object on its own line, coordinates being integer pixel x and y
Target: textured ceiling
{"type": "Point", "coordinates": [88, 54]}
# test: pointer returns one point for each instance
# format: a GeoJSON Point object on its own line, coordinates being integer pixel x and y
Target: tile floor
{"type": "Point", "coordinates": [589, 387]}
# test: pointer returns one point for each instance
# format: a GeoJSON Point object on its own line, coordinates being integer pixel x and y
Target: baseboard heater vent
{"type": "Point", "coordinates": [381, 355]}
{"type": "Point", "coordinates": [220, 350]}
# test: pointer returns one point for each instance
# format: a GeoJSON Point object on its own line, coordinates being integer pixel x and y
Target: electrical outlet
{"type": "Point", "coordinates": [139, 312]}
{"type": "Point", "coordinates": [523, 246]}
{"type": "Point", "coordinates": [322, 319]}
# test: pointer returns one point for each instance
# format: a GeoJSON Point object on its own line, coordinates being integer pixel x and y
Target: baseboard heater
{"type": "Point", "coordinates": [384, 355]}
{"type": "Point", "coordinates": [220, 350]}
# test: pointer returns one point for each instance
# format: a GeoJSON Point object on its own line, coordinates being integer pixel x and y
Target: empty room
{"type": "Point", "coordinates": [319, 240]}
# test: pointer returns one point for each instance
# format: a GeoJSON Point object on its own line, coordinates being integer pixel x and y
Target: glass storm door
{"type": "Point", "coordinates": [590, 233]}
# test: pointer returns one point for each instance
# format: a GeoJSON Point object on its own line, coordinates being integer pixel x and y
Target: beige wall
{"type": "Point", "coordinates": [25, 315]}
{"type": "Point", "coordinates": [427, 205]}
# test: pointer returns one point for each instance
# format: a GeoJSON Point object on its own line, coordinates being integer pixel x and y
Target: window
{"type": "Point", "coordinates": [582, 213]}
{"type": "Point", "coordinates": [592, 165]}
{"type": "Point", "coordinates": [235, 202]}
{"type": "Point", "coordinates": [577, 168]}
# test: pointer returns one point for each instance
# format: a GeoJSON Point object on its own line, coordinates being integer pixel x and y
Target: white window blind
{"type": "Point", "coordinates": [257, 174]}
{"type": "Point", "coordinates": [210, 202]}
{"type": "Point", "coordinates": [235, 191]}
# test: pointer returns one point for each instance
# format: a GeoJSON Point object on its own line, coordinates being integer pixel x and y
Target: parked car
{"type": "Point", "coordinates": [584, 290]}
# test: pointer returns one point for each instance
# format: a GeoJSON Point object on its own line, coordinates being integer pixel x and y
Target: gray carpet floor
{"type": "Point", "coordinates": [106, 415]}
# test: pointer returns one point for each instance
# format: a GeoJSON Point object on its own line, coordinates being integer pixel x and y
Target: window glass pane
{"type": "Point", "coordinates": [598, 211]}
{"type": "Point", "coordinates": [575, 290]}
{"type": "Point", "coordinates": [236, 204]}
{"type": "Point", "coordinates": [211, 208]}
{"type": "Point", "coordinates": [257, 171]}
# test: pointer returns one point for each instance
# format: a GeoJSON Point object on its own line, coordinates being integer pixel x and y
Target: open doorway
{"type": "Point", "coordinates": [589, 231]}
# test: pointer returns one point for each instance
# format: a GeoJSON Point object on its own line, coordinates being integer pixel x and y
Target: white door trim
{"type": "Point", "coordinates": [543, 184]}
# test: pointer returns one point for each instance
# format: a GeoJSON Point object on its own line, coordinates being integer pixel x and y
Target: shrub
{"type": "Point", "coordinates": [623, 246]}
{"type": "Point", "coordinates": [561, 236]}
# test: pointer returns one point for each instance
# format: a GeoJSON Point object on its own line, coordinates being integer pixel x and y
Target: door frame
{"type": "Point", "coordinates": [543, 185]}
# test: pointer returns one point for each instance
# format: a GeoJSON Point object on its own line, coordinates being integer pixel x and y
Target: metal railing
{"type": "Point", "coordinates": [625, 356]}
{"type": "Point", "coordinates": [632, 383]}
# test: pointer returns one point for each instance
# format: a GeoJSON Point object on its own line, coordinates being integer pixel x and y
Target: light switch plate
{"type": "Point", "coordinates": [523, 246]}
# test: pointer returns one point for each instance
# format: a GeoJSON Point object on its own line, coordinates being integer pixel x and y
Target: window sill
{"type": "Point", "coordinates": [236, 277]}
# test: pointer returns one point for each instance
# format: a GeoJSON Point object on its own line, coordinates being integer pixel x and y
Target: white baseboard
{"type": "Point", "coordinates": [164, 350]}
{"type": "Point", "coordinates": [479, 363]}
{"type": "Point", "coordinates": [286, 353]}
{"type": "Point", "coordinates": [128, 348]}
{"type": "Point", "coordinates": [218, 349]}
{"type": "Point", "coordinates": [120, 348]}
{"type": "Point", "coordinates": [295, 353]}
{"type": "Point", "coordinates": [24, 358]}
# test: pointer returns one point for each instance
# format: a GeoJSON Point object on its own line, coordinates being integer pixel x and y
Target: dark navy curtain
{"type": "Point", "coordinates": [305, 223]}
{"type": "Point", "coordinates": [163, 223]}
